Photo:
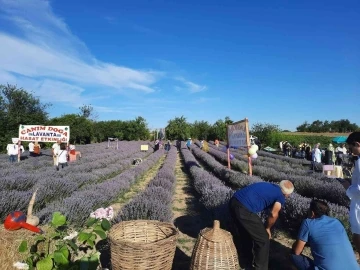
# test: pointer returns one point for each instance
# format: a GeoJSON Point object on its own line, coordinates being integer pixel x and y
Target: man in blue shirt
{"type": "Point", "coordinates": [254, 237]}
{"type": "Point", "coordinates": [329, 243]}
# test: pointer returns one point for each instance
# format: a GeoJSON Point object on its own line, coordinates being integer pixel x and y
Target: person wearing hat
{"type": "Point", "coordinates": [253, 235]}
{"type": "Point", "coordinates": [188, 143]}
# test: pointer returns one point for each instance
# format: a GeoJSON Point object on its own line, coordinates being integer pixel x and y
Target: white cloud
{"type": "Point", "coordinates": [46, 57]}
{"type": "Point", "coordinates": [48, 49]}
{"type": "Point", "coordinates": [190, 86]}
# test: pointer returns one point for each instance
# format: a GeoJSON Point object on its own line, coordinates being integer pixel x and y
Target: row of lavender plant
{"type": "Point", "coordinates": [80, 203]}
{"type": "Point", "coordinates": [270, 156]}
{"type": "Point", "coordinates": [296, 206]}
{"type": "Point", "coordinates": [95, 163]}
{"type": "Point", "coordinates": [305, 185]}
{"type": "Point", "coordinates": [214, 195]}
{"type": "Point", "coordinates": [52, 187]}
{"type": "Point", "coordinates": [154, 203]}
{"type": "Point", "coordinates": [277, 164]}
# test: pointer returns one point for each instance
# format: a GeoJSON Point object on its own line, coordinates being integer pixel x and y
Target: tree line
{"type": "Point", "coordinates": [18, 106]}
{"type": "Point", "coordinates": [340, 126]}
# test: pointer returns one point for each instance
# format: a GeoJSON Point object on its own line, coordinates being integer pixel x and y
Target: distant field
{"type": "Point", "coordinates": [328, 134]}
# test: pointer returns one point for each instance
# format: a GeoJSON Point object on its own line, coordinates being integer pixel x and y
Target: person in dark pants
{"type": "Point", "coordinates": [157, 145]}
{"type": "Point", "coordinates": [254, 235]}
{"type": "Point", "coordinates": [329, 243]}
{"type": "Point", "coordinates": [178, 145]}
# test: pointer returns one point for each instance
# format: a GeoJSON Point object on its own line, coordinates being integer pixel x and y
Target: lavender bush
{"type": "Point", "coordinates": [154, 202]}
{"type": "Point", "coordinates": [296, 205]}
{"type": "Point", "coordinates": [96, 166]}
{"type": "Point", "coordinates": [214, 195]}
{"type": "Point", "coordinates": [311, 186]}
{"type": "Point", "coordinates": [81, 202]}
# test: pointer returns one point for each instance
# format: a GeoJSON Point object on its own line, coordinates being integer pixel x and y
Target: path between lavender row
{"type": "Point", "coordinates": [190, 216]}
{"type": "Point", "coordinates": [137, 187]}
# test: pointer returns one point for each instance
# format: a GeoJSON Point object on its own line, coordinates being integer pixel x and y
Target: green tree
{"type": "Point", "coordinates": [88, 112]}
{"type": "Point", "coordinates": [218, 131]}
{"type": "Point", "coordinates": [200, 130]}
{"type": "Point", "coordinates": [303, 127]}
{"type": "Point", "coordinates": [343, 125]}
{"type": "Point", "coordinates": [18, 106]}
{"type": "Point", "coordinates": [265, 132]}
{"type": "Point", "coordinates": [81, 128]}
{"type": "Point", "coordinates": [178, 129]}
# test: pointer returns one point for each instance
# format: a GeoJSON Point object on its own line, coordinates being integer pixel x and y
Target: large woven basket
{"type": "Point", "coordinates": [214, 249]}
{"type": "Point", "coordinates": [142, 244]}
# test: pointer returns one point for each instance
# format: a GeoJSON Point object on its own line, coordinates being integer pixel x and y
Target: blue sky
{"type": "Point", "coordinates": [279, 62]}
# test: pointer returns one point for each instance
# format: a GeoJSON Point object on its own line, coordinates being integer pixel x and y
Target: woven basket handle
{"type": "Point", "coordinates": [216, 225]}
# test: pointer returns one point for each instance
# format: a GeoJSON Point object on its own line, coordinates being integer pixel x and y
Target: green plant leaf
{"type": "Point", "coordinates": [65, 251]}
{"type": "Point", "coordinates": [45, 264]}
{"type": "Point", "coordinates": [58, 219]}
{"type": "Point", "coordinates": [90, 243]}
{"type": "Point", "coordinates": [91, 221]}
{"type": "Point", "coordinates": [54, 235]}
{"type": "Point", "coordinates": [23, 246]}
{"type": "Point", "coordinates": [83, 236]}
{"type": "Point", "coordinates": [30, 263]}
{"type": "Point", "coordinates": [72, 245]}
{"type": "Point", "coordinates": [94, 262]}
{"type": "Point", "coordinates": [105, 224]}
{"type": "Point", "coordinates": [92, 237]}
{"type": "Point", "coordinates": [39, 238]}
{"type": "Point", "coordinates": [59, 258]}
{"type": "Point", "coordinates": [101, 233]}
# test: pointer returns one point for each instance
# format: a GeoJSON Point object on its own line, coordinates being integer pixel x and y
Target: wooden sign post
{"type": "Point", "coordinates": [238, 137]}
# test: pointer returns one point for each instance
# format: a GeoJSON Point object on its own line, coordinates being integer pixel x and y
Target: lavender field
{"type": "Point", "coordinates": [103, 175]}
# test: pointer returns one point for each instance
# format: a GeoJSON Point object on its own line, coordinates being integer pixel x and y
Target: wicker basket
{"type": "Point", "coordinates": [142, 244]}
{"type": "Point", "coordinates": [214, 249]}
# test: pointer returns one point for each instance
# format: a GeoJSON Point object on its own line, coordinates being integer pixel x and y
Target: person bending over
{"type": "Point", "coordinates": [254, 236]}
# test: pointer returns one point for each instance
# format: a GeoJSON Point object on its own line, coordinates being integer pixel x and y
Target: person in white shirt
{"type": "Point", "coordinates": [341, 149]}
{"type": "Point", "coordinates": [62, 157]}
{"type": "Point", "coordinates": [340, 152]}
{"type": "Point", "coordinates": [31, 149]}
{"type": "Point", "coordinates": [12, 150]}
{"type": "Point", "coordinates": [353, 190]}
{"type": "Point", "coordinates": [55, 148]}
{"type": "Point", "coordinates": [316, 156]}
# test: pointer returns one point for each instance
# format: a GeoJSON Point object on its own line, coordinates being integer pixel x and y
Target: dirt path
{"type": "Point", "coordinates": [190, 216]}
{"type": "Point", "coordinates": [138, 187]}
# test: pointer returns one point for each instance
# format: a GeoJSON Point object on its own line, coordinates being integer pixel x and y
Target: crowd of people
{"type": "Point", "coordinates": [60, 152]}
{"type": "Point", "coordinates": [329, 243]}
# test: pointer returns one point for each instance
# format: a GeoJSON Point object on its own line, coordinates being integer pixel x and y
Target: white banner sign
{"type": "Point", "coordinates": [237, 134]}
{"type": "Point", "coordinates": [39, 133]}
